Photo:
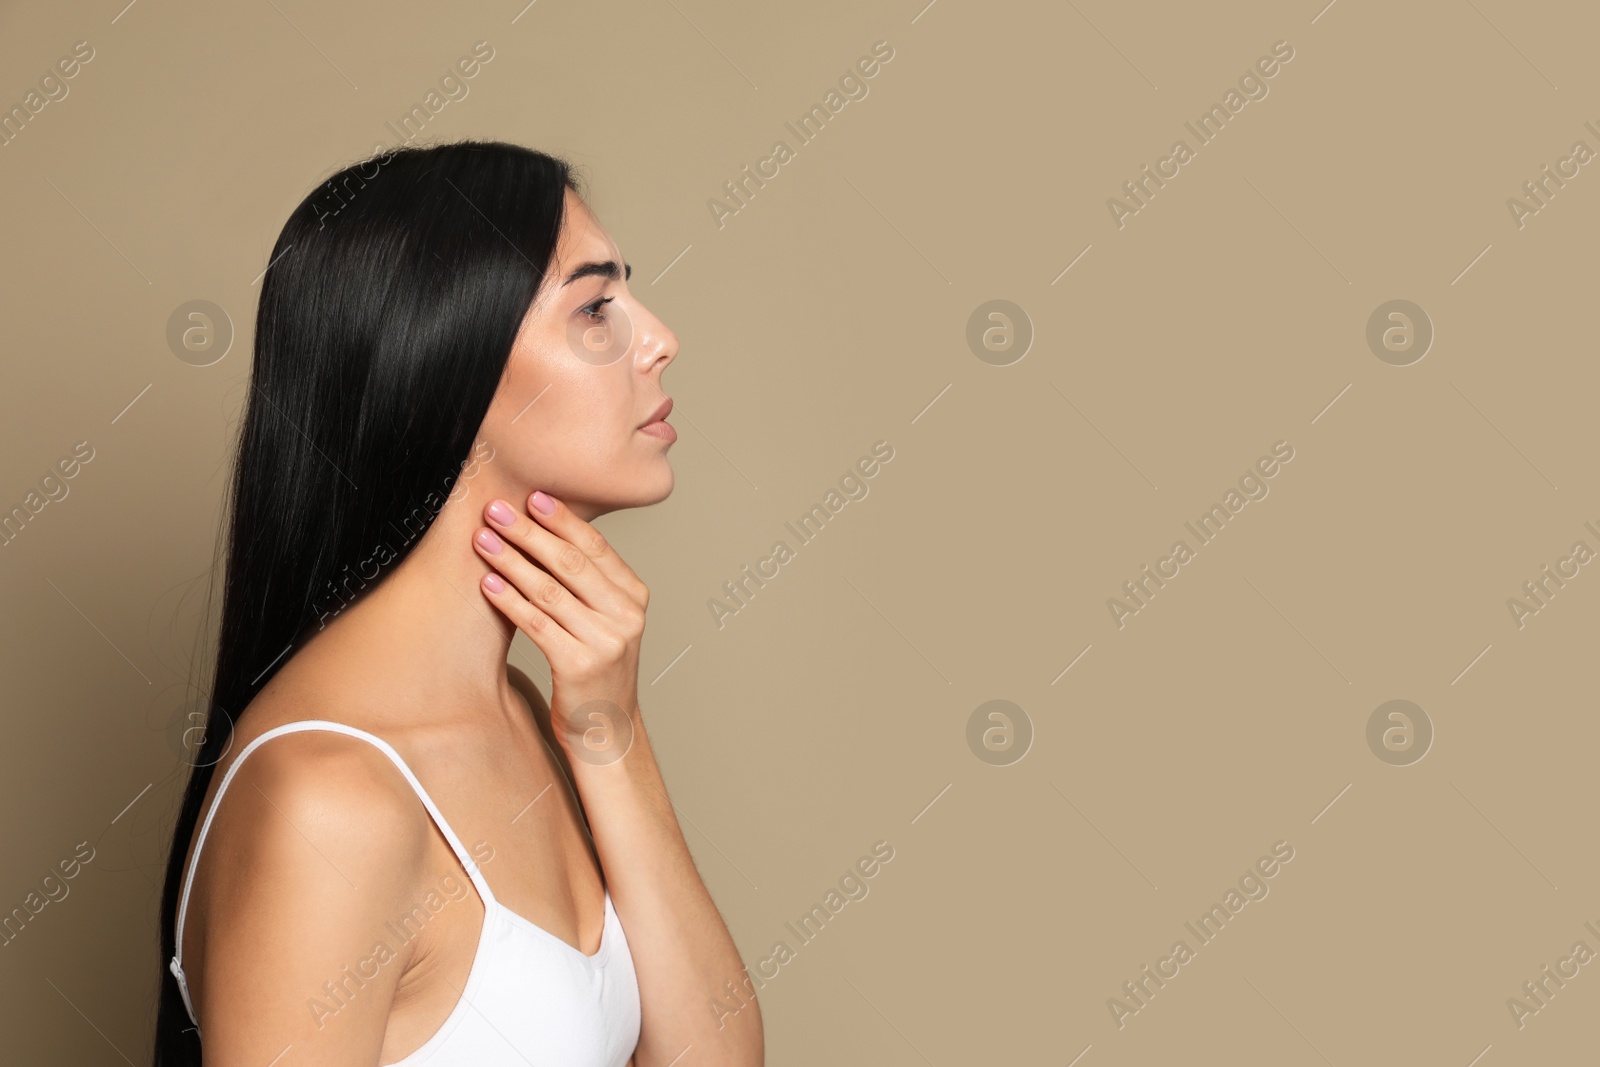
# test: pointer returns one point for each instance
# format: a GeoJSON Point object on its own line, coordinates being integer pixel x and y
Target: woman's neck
{"type": "Point", "coordinates": [421, 640]}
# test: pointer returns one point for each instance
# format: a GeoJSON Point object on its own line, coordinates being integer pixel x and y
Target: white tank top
{"type": "Point", "coordinates": [530, 998]}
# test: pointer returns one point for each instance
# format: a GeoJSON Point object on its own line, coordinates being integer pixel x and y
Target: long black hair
{"type": "Point", "coordinates": [387, 314]}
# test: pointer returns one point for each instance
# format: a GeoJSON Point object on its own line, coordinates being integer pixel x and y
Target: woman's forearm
{"type": "Point", "coordinates": [682, 951]}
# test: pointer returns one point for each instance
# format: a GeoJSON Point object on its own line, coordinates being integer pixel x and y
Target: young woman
{"type": "Point", "coordinates": [393, 849]}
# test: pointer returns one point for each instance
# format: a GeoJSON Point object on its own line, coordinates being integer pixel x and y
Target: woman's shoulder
{"type": "Point", "coordinates": [299, 772]}
{"type": "Point", "coordinates": [317, 839]}
{"type": "Point", "coordinates": [316, 770]}
{"type": "Point", "coordinates": [326, 735]}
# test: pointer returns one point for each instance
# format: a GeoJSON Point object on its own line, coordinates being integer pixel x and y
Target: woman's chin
{"type": "Point", "coordinates": [641, 494]}
{"type": "Point", "coordinates": [663, 487]}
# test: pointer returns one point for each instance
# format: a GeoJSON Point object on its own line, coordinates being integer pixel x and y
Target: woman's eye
{"type": "Point", "coordinates": [593, 310]}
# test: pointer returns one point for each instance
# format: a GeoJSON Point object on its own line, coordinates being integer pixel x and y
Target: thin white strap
{"type": "Point", "coordinates": [176, 965]}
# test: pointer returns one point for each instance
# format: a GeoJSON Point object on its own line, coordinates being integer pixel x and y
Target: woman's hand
{"type": "Point", "coordinates": [559, 580]}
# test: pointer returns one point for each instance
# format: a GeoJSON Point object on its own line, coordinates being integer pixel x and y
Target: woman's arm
{"type": "Point", "coordinates": [317, 841]}
{"type": "Point", "coordinates": [682, 951]}
{"type": "Point", "coordinates": [584, 607]}
{"type": "Point", "coordinates": [680, 944]}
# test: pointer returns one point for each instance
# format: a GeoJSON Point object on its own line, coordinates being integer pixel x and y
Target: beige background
{"type": "Point", "coordinates": [831, 313]}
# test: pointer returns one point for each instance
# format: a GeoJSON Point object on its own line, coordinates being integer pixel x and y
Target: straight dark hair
{"type": "Point", "coordinates": [387, 314]}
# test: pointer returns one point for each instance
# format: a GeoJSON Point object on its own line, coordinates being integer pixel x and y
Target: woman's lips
{"type": "Point", "coordinates": [658, 425]}
{"type": "Point", "coordinates": [660, 428]}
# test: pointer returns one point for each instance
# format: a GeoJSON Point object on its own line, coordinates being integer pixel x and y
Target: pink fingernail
{"type": "Point", "coordinates": [542, 503]}
{"type": "Point", "coordinates": [501, 513]}
{"type": "Point", "coordinates": [494, 583]}
{"type": "Point", "coordinates": [491, 544]}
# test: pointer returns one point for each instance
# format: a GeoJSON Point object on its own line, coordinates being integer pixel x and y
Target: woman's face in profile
{"type": "Point", "coordinates": [583, 378]}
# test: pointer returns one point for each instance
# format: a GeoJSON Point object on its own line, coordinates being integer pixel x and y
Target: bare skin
{"type": "Point", "coordinates": [321, 842]}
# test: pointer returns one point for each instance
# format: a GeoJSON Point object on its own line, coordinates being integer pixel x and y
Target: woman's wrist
{"type": "Point", "coordinates": [631, 818]}
{"type": "Point", "coordinates": [601, 733]}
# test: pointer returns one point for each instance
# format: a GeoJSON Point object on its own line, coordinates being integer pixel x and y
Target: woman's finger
{"type": "Point", "coordinates": [546, 633]}
{"type": "Point", "coordinates": [537, 586]}
{"type": "Point", "coordinates": [556, 517]}
{"type": "Point", "coordinates": [560, 558]}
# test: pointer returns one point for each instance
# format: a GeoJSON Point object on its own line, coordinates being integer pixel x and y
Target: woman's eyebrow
{"type": "Point", "coordinates": [606, 269]}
